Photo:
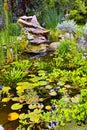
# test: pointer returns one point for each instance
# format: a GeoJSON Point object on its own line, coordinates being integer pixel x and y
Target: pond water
{"type": "Point", "coordinates": [12, 125]}
{"type": "Point", "coordinates": [4, 111]}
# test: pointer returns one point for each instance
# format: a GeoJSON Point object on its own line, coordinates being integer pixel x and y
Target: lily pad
{"type": "Point", "coordinates": [49, 87]}
{"type": "Point", "coordinates": [35, 79]}
{"type": "Point", "coordinates": [32, 106]}
{"type": "Point", "coordinates": [60, 83]}
{"type": "Point", "coordinates": [13, 116]}
{"type": "Point", "coordinates": [16, 106]}
{"type": "Point", "coordinates": [5, 99]}
{"type": "Point", "coordinates": [52, 92]}
{"type": "Point", "coordinates": [22, 83]}
{"type": "Point", "coordinates": [15, 99]}
{"type": "Point", "coordinates": [36, 105]}
{"type": "Point", "coordinates": [48, 107]}
{"type": "Point", "coordinates": [42, 83]}
{"type": "Point", "coordinates": [41, 73]}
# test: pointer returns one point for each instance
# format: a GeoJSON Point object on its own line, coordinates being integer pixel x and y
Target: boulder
{"type": "Point", "coordinates": [37, 36]}
{"type": "Point", "coordinates": [36, 49]}
{"type": "Point", "coordinates": [53, 46]}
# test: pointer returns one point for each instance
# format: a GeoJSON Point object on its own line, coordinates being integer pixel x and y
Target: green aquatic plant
{"type": "Point", "coordinates": [67, 55]}
{"type": "Point", "coordinates": [22, 65]}
{"type": "Point", "coordinates": [31, 119]}
{"type": "Point", "coordinates": [12, 76]}
{"type": "Point", "coordinates": [16, 106]}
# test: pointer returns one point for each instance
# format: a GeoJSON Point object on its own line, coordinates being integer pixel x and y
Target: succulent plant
{"type": "Point", "coordinates": [67, 26]}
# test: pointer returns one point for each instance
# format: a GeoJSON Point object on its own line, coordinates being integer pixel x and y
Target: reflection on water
{"type": "Point", "coordinates": [4, 111]}
{"type": "Point", "coordinates": [12, 125]}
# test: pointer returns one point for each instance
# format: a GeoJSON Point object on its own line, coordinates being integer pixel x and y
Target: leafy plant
{"type": "Point", "coordinates": [12, 76]}
{"type": "Point", "coordinates": [51, 18]}
{"type": "Point", "coordinates": [67, 26]}
{"type": "Point", "coordinates": [68, 55]}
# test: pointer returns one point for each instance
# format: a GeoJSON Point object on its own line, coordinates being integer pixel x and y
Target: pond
{"type": "Point", "coordinates": [45, 88]}
{"type": "Point", "coordinates": [4, 111]}
{"type": "Point", "coordinates": [12, 125]}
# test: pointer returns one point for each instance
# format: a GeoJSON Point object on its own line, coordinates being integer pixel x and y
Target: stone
{"type": "Point", "coordinates": [36, 49]}
{"type": "Point", "coordinates": [37, 31]}
{"type": "Point", "coordinates": [54, 45]}
{"type": "Point", "coordinates": [30, 21]}
{"type": "Point", "coordinates": [39, 40]}
{"type": "Point", "coordinates": [36, 35]}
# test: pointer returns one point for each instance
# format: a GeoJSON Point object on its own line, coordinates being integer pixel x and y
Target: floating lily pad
{"type": "Point", "coordinates": [15, 99]}
{"type": "Point", "coordinates": [32, 106]}
{"type": "Point", "coordinates": [76, 98]}
{"type": "Point", "coordinates": [52, 92]}
{"type": "Point", "coordinates": [31, 75]}
{"type": "Point", "coordinates": [41, 73]}
{"type": "Point", "coordinates": [35, 79]}
{"type": "Point", "coordinates": [40, 106]}
{"type": "Point", "coordinates": [67, 86]}
{"type": "Point", "coordinates": [22, 83]}
{"type": "Point", "coordinates": [16, 106]}
{"type": "Point", "coordinates": [42, 83]}
{"type": "Point", "coordinates": [13, 116]}
{"type": "Point", "coordinates": [48, 86]}
{"type": "Point", "coordinates": [5, 99]}
{"type": "Point", "coordinates": [35, 105]}
{"type": "Point", "coordinates": [61, 83]}
{"type": "Point", "coordinates": [48, 107]}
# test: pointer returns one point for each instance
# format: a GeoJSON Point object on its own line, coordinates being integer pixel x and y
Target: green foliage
{"type": "Point", "coordinates": [30, 119]}
{"type": "Point", "coordinates": [14, 29]}
{"type": "Point", "coordinates": [15, 73]}
{"type": "Point", "coordinates": [22, 65]}
{"type": "Point", "coordinates": [78, 11]}
{"type": "Point", "coordinates": [11, 77]}
{"type": "Point", "coordinates": [67, 26]}
{"type": "Point", "coordinates": [67, 55]}
{"type": "Point", "coordinates": [54, 35]}
{"type": "Point", "coordinates": [51, 18]}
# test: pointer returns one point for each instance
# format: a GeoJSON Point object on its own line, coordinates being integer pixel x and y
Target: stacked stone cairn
{"type": "Point", "coordinates": [37, 36]}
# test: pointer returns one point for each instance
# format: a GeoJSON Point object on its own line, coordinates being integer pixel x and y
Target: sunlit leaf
{"type": "Point", "coordinates": [52, 93]}
{"type": "Point", "coordinates": [5, 99]}
{"type": "Point", "coordinates": [48, 107]}
{"type": "Point", "coordinates": [13, 116]}
{"type": "Point", "coordinates": [15, 99]}
{"type": "Point", "coordinates": [16, 106]}
{"type": "Point", "coordinates": [6, 89]}
{"type": "Point", "coordinates": [48, 86]}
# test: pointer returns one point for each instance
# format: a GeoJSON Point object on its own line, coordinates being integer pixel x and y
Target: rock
{"type": "Point", "coordinates": [54, 45]}
{"type": "Point", "coordinates": [66, 36]}
{"type": "Point", "coordinates": [30, 36]}
{"type": "Point", "coordinates": [39, 40]}
{"type": "Point", "coordinates": [37, 31]}
{"type": "Point", "coordinates": [30, 21]}
{"type": "Point", "coordinates": [82, 43]}
{"type": "Point", "coordinates": [36, 35]}
{"type": "Point", "coordinates": [36, 49]}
